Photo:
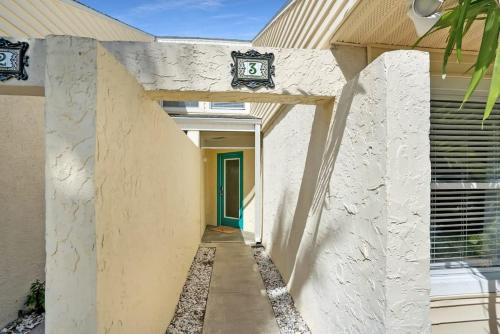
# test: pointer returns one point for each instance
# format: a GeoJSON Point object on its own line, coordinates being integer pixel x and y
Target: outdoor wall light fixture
{"type": "Point", "coordinates": [424, 14]}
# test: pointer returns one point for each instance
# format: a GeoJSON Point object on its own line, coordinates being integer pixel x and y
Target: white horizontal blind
{"type": "Point", "coordinates": [200, 106]}
{"type": "Point", "coordinates": [227, 105]}
{"type": "Point", "coordinates": [465, 196]}
{"type": "Point", "coordinates": [181, 104]}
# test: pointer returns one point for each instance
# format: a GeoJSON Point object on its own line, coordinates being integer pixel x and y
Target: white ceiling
{"type": "Point", "coordinates": [221, 139]}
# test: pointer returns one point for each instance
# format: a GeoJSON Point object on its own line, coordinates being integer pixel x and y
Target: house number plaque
{"type": "Point", "coordinates": [13, 60]}
{"type": "Point", "coordinates": [252, 69]}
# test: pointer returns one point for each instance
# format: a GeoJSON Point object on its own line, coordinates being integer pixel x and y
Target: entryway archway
{"type": "Point", "coordinates": [108, 142]}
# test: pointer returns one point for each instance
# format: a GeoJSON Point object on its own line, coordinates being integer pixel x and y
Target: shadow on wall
{"type": "Point", "coordinates": [326, 137]}
{"type": "Point", "coordinates": [248, 198]}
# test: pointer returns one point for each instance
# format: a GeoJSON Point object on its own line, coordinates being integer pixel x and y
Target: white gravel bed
{"type": "Point", "coordinates": [190, 312]}
{"type": "Point", "coordinates": [288, 318]}
{"type": "Point", "coordinates": [24, 324]}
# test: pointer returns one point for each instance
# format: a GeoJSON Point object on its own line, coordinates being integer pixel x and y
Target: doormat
{"type": "Point", "coordinates": [224, 229]}
{"type": "Point", "coordinates": [287, 316]}
{"type": "Point", "coordinates": [190, 311]}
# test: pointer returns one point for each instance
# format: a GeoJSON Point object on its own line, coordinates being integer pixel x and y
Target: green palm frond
{"type": "Point", "coordinates": [459, 20]}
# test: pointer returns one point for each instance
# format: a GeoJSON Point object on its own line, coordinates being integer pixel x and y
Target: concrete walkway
{"type": "Point", "coordinates": [212, 236]}
{"type": "Point", "coordinates": [237, 300]}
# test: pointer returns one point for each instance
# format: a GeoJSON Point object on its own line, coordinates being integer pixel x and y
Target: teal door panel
{"type": "Point", "coordinates": [230, 189]}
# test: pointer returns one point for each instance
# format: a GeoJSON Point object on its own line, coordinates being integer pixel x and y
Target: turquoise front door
{"type": "Point", "coordinates": [230, 189]}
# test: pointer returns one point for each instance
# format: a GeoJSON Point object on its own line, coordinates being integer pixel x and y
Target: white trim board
{"type": "Point", "coordinates": [227, 148]}
{"type": "Point", "coordinates": [216, 124]}
{"type": "Point", "coordinates": [451, 282]}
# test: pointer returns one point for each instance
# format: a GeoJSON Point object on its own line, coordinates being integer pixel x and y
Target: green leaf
{"type": "Point", "coordinates": [494, 86]}
{"type": "Point", "coordinates": [452, 38]}
{"type": "Point", "coordinates": [487, 51]}
{"type": "Point", "coordinates": [444, 22]}
{"type": "Point", "coordinates": [454, 19]}
{"type": "Point", "coordinates": [459, 26]}
{"type": "Point", "coordinates": [458, 20]}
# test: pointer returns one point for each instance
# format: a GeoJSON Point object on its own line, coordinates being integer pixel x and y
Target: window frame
{"type": "Point", "coordinates": [467, 280]}
{"type": "Point", "coordinates": [181, 110]}
{"type": "Point", "coordinates": [206, 107]}
{"type": "Point", "coordinates": [245, 109]}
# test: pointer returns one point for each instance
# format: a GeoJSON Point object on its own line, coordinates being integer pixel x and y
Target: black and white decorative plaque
{"type": "Point", "coordinates": [252, 69]}
{"type": "Point", "coordinates": [13, 60]}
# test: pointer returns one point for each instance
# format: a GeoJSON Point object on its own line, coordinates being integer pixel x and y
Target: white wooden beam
{"type": "Point", "coordinates": [216, 124]}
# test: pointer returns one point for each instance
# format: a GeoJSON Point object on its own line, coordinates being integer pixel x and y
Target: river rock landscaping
{"type": "Point", "coordinates": [24, 324]}
{"type": "Point", "coordinates": [190, 312]}
{"type": "Point", "coordinates": [289, 319]}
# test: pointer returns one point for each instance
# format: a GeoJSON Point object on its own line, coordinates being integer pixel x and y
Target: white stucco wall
{"type": "Point", "coordinates": [202, 72]}
{"type": "Point", "coordinates": [346, 202]}
{"type": "Point", "coordinates": [70, 147]}
{"type": "Point", "coordinates": [148, 206]}
{"type": "Point", "coordinates": [22, 225]}
{"type": "Point", "coordinates": [123, 204]}
{"type": "Point", "coordinates": [349, 59]}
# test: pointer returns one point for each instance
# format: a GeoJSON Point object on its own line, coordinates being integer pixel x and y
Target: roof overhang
{"type": "Point", "coordinates": [385, 22]}
{"type": "Point", "coordinates": [319, 24]}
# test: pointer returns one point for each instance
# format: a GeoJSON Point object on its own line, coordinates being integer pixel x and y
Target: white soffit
{"type": "Point", "coordinates": [386, 22]}
{"type": "Point", "coordinates": [305, 24]}
{"type": "Point", "coordinates": [40, 18]}
{"type": "Point", "coordinates": [223, 139]}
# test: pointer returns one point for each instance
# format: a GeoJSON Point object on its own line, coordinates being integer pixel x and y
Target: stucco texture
{"type": "Point", "coordinates": [22, 226]}
{"type": "Point", "coordinates": [123, 197]}
{"type": "Point", "coordinates": [148, 206]}
{"type": "Point", "coordinates": [70, 146]}
{"type": "Point", "coordinates": [210, 165]}
{"type": "Point", "coordinates": [346, 201]}
{"type": "Point", "coordinates": [202, 72]}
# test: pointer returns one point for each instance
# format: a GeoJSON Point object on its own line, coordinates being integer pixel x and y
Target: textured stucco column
{"type": "Point", "coordinates": [408, 176]}
{"type": "Point", "coordinates": [346, 201]}
{"type": "Point", "coordinates": [122, 197]}
{"type": "Point", "coordinates": [70, 130]}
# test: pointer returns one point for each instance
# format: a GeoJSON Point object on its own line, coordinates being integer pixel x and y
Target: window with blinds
{"type": "Point", "coordinates": [200, 106]}
{"type": "Point", "coordinates": [227, 105]}
{"type": "Point", "coordinates": [465, 195]}
{"type": "Point", "coordinates": [180, 104]}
